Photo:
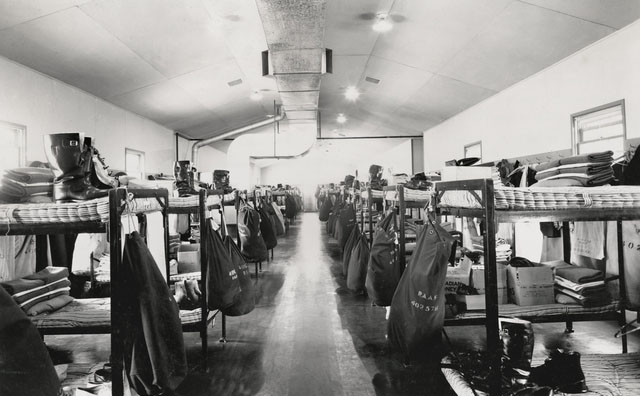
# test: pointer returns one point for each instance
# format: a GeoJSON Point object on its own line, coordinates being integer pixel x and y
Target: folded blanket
{"type": "Point", "coordinates": [586, 292]}
{"type": "Point", "coordinates": [604, 156]}
{"type": "Point", "coordinates": [47, 296]}
{"type": "Point", "coordinates": [586, 180]}
{"type": "Point", "coordinates": [568, 297]}
{"type": "Point", "coordinates": [20, 189]}
{"type": "Point", "coordinates": [588, 169]}
{"type": "Point", "coordinates": [49, 274]}
{"type": "Point", "coordinates": [579, 274]}
{"type": "Point", "coordinates": [562, 182]}
{"type": "Point", "coordinates": [19, 285]}
{"type": "Point", "coordinates": [30, 175]}
{"type": "Point", "coordinates": [49, 305]}
{"type": "Point", "coordinates": [39, 291]}
{"type": "Point", "coordinates": [547, 165]}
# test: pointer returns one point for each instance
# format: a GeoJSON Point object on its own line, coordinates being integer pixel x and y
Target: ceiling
{"type": "Point", "coordinates": [192, 65]}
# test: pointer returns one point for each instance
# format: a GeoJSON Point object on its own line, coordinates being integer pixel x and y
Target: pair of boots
{"type": "Point", "coordinates": [375, 177]}
{"type": "Point", "coordinates": [187, 294]}
{"type": "Point", "coordinates": [221, 181]}
{"type": "Point", "coordinates": [80, 173]}
{"type": "Point", "coordinates": [185, 178]}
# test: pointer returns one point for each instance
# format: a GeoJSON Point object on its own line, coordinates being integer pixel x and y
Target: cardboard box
{"type": "Point", "coordinates": [530, 285]}
{"type": "Point", "coordinates": [452, 173]}
{"type": "Point", "coordinates": [457, 276]}
{"type": "Point", "coordinates": [474, 302]}
{"type": "Point", "coordinates": [189, 258]}
{"type": "Point", "coordinates": [477, 281]}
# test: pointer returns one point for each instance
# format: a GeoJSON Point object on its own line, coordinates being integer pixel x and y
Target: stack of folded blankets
{"type": "Point", "coordinates": [581, 285]}
{"type": "Point", "coordinates": [587, 170]}
{"type": "Point", "coordinates": [28, 184]}
{"type": "Point", "coordinates": [42, 292]}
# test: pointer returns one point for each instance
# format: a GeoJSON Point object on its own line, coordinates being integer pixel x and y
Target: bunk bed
{"type": "Point", "coordinates": [370, 201]}
{"type": "Point", "coordinates": [201, 204]}
{"type": "Point", "coordinates": [91, 316]}
{"type": "Point", "coordinates": [498, 204]}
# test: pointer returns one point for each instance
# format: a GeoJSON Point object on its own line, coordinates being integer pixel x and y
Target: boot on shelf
{"type": "Point", "coordinates": [184, 178]}
{"type": "Point", "coordinates": [65, 152]}
{"type": "Point", "coordinates": [517, 348]}
{"type": "Point", "coordinates": [95, 165]}
{"type": "Point", "coordinates": [221, 180]}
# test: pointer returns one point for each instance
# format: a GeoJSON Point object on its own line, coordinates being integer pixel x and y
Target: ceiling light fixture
{"type": "Point", "coordinates": [341, 118]}
{"type": "Point", "coordinates": [255, 96]}
{"type": "Point", "coordinates": [382, 23]}
{"type": "Point", "coordinates": [352, 93]}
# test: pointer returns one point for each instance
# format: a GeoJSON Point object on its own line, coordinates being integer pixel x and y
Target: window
{"type": "Point", "coordinates": [600, 129]}
{"type": "Point", "coordinates": [134, 163]}
{"type": "Point", "coordinates": [13, 147]}
{"type": "Point", "coordinates": [473, 150]}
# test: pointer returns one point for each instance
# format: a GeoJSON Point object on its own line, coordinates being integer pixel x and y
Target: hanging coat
{"type": "Point", "coordinates": [347, 224]}
{"type": "Point", "coordinates": [278, 213]}
{"type": "Point", "coordinates": [277, 225]}
{"type": "Point", "coordinates": [252, 244]}
{"type": "Point", "coordinates": [290, 206]}
{"type": "Point", "coordinates": [358, 260]}
{"type": "Point", "coordinates": [266, 229]}
{"type": "Point", "coordinates": [154, 355]}
{"type": "Point", "coordinates": [348, 248]}
{"type": "Point", "coordinates": [223, 284]}
{"type": "Point", "coordinates": [245, 300]}
{"type": "Point", "coordinates": [325, 209]}
{"type": "Point", "coordinates": [25, 365]}
{"type": "Point", "coordinates": [417, 310]}
{"type": "Point", "coordinates": [383, 273]}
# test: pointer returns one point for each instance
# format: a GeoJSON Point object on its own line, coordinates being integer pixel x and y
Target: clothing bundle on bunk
{"type": "Point", "coordinates": [586, 170]}
{"type": "Point", "coordinates": [419, 181]}
{"type": "Point", "coordinates": [42, 292]}
{"type": "Point", "coordinates": [503, 249]}
{"type": "Point", "coordinates": [581, 285]}
{"type": "Point", "coordinates": [376, 182]}
{"type": "Point", "coordinates": [29, 184]}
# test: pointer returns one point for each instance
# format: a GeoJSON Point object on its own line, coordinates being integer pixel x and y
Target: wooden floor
{"type": "Point", "coordinates": [309, 336]}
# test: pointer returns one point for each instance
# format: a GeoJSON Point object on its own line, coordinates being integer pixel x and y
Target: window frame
{"type": "Point", "coordinates": [574, 117]}
{"type": "Point", "coordinates": [140, 154]}
{"type": "Point", "coordinates": [22, 155]}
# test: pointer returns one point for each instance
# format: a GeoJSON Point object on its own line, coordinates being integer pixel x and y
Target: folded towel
{"type": "Point", "coordinates": [49, 305]}
{"type": "Point", "coordinates": [49, 274]}
{"type": "Point", "coordinates": [30, 175]}
{"type": "Point", "coordinates": [579, 274]}
{"type": "Point", "coordinates": [19, 285]}
{"type": "Point", "coordinates": [20, 189]}
{"type": "Point", "coordinates": [604, 156]}
{"type": "Point", "coordinates": [39, 291]}
{"type": "Point", "coordinates": [562, 182]}
{"type": "Point", "coordinates": [47, 296]}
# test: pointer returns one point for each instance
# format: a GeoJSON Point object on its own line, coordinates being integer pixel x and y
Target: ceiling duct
{"type": "Point", "coordinates": [296, 58]}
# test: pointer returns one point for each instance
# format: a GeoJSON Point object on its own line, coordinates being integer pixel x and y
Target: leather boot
{"type": "Point", "coordinates": [96, 167]}
{"type": "Point", "coordinates": [221, 180]}
{"type": "Point", "coordinates": [517, 348]}
{"type": "Point", "coordinates": [64, 151]}
{"type": "Point", "coordinates": [182, 173]}
{"type": "Point", "coordinates": [561, 371]}
{"type": "Point", "coordinates": [375, 177]}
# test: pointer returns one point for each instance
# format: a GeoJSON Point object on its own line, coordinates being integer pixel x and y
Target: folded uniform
{"type": "Point", "coordinates": [579, 275]}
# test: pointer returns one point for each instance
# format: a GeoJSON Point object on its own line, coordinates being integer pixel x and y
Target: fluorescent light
{"type": "Point", "coordinates": [341, 118]}
{"type": "Point", "coordinates": [352, 93]}
{"type": "Point", "coordinates": [255, 96]}
{"type": "Point", "coordinates": [382, 24]}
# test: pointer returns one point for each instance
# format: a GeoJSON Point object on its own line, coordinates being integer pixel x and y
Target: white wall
{"type": "Point", "coordinates": [331, 160]}
{"type": "Point", "coordinates": [45, 105]}
{"type": "Point", "coordinates": [533, 116]}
